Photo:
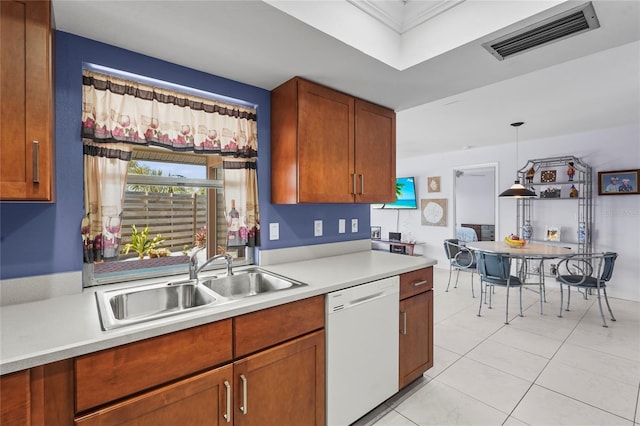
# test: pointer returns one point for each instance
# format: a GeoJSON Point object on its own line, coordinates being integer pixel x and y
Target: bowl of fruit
{"type": "Point", "coordinates": [514, 241]}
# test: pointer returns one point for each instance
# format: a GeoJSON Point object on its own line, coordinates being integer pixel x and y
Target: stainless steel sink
{"type": "Point", "coordinates": [249, 282]}
{"type": "Point", "coordinates": [144, 303]}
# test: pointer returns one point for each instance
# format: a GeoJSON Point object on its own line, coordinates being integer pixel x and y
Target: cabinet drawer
{"type": "Point", "coordinates": [268, 327]}
{"type": "Point", "coordinates": [111, 374]}
{"type": "Point", "coordinates": [416, 282]}
{"type": "Point", "coordinates": [197, 400]}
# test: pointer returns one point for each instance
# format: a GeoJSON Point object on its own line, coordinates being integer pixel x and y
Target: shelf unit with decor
{"type": "Point", "coordinates": [564, 186]}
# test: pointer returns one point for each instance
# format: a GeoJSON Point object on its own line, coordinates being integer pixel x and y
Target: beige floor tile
{"type": "Point", "coordinates": [485, 383]}
{"type": "Point", "coordinates": [439, 404]}
{"type": "Point", "coordinates": [544, 407]}
{"type": "Point", "coordinates": [442, 359]}
{"type": "Point", "coordinates": [508, 359]}
{"type": "Point", "coordinates": [611, 366]}
{"type": "Point", "coordinates": [526, 341]}
{"type": "Point", "coordinates": [591, 388]}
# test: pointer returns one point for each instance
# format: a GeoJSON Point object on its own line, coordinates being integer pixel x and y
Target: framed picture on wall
{"type": "Point", "coordinates": [619, 182]}
{"type": "Point", "coordinates": [434, 211]}
{"type": "Point", "coordinates": [552, 233]}
{"type": "Point", "coordinates": [433, 184]}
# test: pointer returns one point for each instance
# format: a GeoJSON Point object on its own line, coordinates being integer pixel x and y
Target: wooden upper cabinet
{"type": "Point", "coordinates": [375, 153]}
{"type": "Point", "coordinates": [26, 101]}
{"type": "Point", "coordinates": [329, 147]}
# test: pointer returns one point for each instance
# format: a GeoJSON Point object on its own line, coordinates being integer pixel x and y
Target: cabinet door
{"type": "Point", "coordinates": [283, 385]}
{"type": "Point", "coordinates": [26, 101]}
{"type": "Point", "coordinates": [416, 336]}
{"type": "Point", "coordinates": [375, 138]}
{"type": "Point", "coordinates": [199, 400]}
{"type": "Point", "coordinates": [325, 145]}
{"type": "Point", "coordinates": [41, 395]}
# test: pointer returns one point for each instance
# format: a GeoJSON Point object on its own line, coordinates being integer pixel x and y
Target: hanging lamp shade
{"type": "Point", "coordinates": [517, 190]}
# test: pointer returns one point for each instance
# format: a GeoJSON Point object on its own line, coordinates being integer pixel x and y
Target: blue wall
{"type": "Point", "coordinates": [38, 239]}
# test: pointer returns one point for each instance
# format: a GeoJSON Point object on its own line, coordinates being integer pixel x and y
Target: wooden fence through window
{"type": "Point", "coordinates": [177, 217]}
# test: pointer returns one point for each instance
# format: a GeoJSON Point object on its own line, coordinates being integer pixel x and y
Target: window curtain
{"type": "Point", "coordinates": [241, 201]}
{"type": "Point", "coordinates": [116, 110]}
{"type": "Point", "coordinates": [105, 182]}
{"type": "Point", "coordinates": [118, 114]}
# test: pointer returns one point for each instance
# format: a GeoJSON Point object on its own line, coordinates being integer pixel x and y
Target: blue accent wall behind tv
{"type": "Point", "coordinates": [37, 239]}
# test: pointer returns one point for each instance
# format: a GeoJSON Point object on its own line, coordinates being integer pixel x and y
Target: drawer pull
{"type": "Point", "coordinates": [36, 162]}
{"type": "Point", "coordinates": [243, 407]}
{"type": "Point", "coordinates": [419, 283]}
{"type": "Point", "coordinates": [227, 414]}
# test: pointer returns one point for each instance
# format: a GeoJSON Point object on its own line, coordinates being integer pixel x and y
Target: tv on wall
{"type": "Point", "coordinates": [406, 195]}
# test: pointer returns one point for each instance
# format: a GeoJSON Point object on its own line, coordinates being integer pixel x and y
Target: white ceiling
{"type": "Point", "coordinates": [422, 58]}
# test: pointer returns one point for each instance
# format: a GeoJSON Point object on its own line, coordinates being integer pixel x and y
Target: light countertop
{"type": "Point", "coordinates": [50, 330]}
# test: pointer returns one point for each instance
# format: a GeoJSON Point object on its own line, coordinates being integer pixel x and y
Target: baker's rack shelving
{"type": "Point", "coordinates": [559, 191]}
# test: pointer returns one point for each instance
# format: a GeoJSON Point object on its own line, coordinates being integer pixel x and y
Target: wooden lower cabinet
{"type": "Point", "coordinates": [41, 395]}
{"type": "Point", "coordinates": [284, 385]}
{"type": "Point", "coordinates": [280, 385]}
{"type": "Point", "coordinates": [416, 331]}
{"type": "Point", "coordinates": [199, 400]}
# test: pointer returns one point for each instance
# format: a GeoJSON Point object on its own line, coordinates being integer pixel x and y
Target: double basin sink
{"type": "Point", "coordinates": [133, 305]}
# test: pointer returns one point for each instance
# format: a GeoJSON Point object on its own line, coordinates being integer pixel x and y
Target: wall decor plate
{"type": "Point", "coordinates": [548, 176]}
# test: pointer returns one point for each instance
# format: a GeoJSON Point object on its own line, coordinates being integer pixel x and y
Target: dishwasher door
{"type": "Point", "coordinates": [362, 349]}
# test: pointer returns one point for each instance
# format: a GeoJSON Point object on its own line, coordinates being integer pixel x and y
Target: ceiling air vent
{"type": "Point", "coordinates": [566, 24]}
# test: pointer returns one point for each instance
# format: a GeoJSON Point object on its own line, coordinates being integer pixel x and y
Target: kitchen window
{"type": "Point", "coordinates": [165, 173]}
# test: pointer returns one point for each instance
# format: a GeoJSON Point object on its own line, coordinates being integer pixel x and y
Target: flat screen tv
{"type": "Point", "coordinates": [406, 195]}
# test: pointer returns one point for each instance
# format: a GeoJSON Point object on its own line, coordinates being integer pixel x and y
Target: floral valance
{"type": "Point", "coordinates": [117, 110]}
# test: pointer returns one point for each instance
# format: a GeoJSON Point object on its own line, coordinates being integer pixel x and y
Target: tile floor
{"type": "Point", "coordinates": [538, 370]}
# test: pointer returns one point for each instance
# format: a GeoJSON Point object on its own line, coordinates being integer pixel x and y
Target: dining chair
{"type": "Point", "coordinates": [495, 271]}
{"type": "Point", "coordinates": [587, 271]}
{"type": "Point", "coordinates": [460, 258]}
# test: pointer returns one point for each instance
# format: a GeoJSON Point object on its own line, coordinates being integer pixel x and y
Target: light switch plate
{"type": "Point", "coordinates": [274, 231]}
{"type": "Point", "coordinates": [354, 225]}
{"type": "Point", "coordinates": [317, 228]}
{"type": "Point", "coordinates": [342, 226]}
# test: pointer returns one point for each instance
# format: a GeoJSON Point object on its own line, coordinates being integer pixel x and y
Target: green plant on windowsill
{"type": "Point", "coordinates": [140, 242]}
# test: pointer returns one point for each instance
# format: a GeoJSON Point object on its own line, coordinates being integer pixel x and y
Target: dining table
{"type": "Point", "coordinates": [528, 253]}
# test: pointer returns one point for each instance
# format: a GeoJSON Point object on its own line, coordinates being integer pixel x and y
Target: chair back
{"type": "Point", "coordinates": [587, 267]}
{"type": "Point", "coordinates": [495, 266]}
{"type": "Point", "coordinates": [451, 247]}
{"type": "Point", "coordinates": [609, 262]}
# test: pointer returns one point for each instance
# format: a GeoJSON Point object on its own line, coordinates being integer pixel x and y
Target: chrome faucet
{"type": "Point", "coordinates": [193, 264]}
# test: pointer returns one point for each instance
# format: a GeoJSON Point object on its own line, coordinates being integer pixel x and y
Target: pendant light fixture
{"type": "Point", "coordinates": [517, 190]}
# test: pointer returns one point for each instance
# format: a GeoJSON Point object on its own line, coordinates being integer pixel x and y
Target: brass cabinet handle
{"type": "Point", "coordinates": [243, 407]}
{"type": "Point", "coordinates": [227, 414]}
{"type": "Point", "coordinates": [353, 191]}
{"type": "Point", "coordinates": [404, 323]}
{"type": "Point", "coordinates": [362, 184]}
{"type": "Point", "coordinates": [36, 162]}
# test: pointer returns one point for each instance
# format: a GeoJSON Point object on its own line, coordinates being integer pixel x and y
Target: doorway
{"type": "Point", "coordinates": [475, 202]}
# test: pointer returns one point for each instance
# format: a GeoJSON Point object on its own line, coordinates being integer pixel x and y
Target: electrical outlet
{"type": "Point", "coordinates": [342, 226]}
{"type": "Point", "coordinates": [274, 231]}
{"type": "Point", "coordinates": [317, 228]}
{"type": "Point", "coordinates": [354, 225]}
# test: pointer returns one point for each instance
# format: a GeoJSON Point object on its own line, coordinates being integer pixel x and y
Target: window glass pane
{"type": "Point", "coordinates": [181, 201]}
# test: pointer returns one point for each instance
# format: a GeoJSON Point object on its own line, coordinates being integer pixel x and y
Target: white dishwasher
{"type": "Point", "coordinates": [362, 349]}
